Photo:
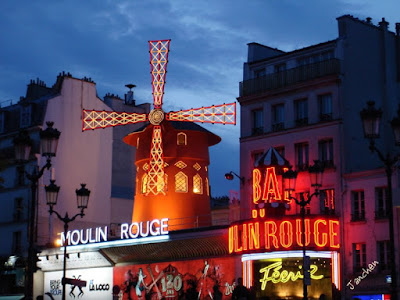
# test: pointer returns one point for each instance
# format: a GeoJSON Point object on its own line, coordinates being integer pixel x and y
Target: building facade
{"type": "Point", "coordinates": [91, 157]}
{"type": "Point", "coordinates": [306, 104]}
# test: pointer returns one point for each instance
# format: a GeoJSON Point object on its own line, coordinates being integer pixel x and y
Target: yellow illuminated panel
{"type": "Point", "coordinates": [197, 184]}
{"type": "Point", "coordinates": [181, 182]}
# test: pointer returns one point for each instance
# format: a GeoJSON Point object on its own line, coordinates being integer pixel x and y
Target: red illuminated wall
{"type": "Point", "coordinates": [182, 208]}
{"type": "Point", "coordinates": [195, 279]}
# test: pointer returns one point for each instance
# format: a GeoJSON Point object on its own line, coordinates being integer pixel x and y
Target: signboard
{"type": "Point", "coordinates": [269, 234]}
{"type": "Point", "coordinates": [99, 283]}
{"type": "Point", "coordinates": [193, 279]}
{"type": "Point", "coordinates": [283, 277]}
{"type": "Point", "coordinates": [134, 230]}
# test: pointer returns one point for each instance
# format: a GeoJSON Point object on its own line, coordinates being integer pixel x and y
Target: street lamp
{"type": "Point", "coordinates": [315, 171]}
{"type": "Point", "coordinates": [229, 176]}
{"type": "Point", "coordinates": [82, 197]}
{"type": "Point", "coordinates": [371, 118]}
{"type": "Point", "coordinates": [22, 147]}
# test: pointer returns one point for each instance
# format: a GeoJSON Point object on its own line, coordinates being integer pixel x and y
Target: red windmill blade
{"type": "Point", "coordinates": [221, 114]}
{"type": "Point", "coordinates": [94, 119]}
{"type": "Point", "coordinates": [158, 60]}
{"type": "Point", "coordinates": [215, 114]}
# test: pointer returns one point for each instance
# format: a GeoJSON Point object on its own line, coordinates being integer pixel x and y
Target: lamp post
{"type": "Point", "coordinates": [22, 147]}
{"type": "Point", "coordinates": [82, 196]}
{"type": "Point", "coordinates": [371, 118]}
{"type": "Point", "coordinates": [315, 172]}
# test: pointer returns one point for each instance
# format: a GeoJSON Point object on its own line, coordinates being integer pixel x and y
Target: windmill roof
{"type": "Point", "coordinates": [177, 125]}
{"type": "Point", "coordinates": [180, 126]}
{"type": "Point", "coordinates": [271, 157]}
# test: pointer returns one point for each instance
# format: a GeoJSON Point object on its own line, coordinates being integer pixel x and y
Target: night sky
{"type": "Point", "coordinates": [108, 41]}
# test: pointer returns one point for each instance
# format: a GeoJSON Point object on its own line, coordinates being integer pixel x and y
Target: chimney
{"type": "Point", "coordinates": [369, 19]}
{"type": "Point", "coordinates": [129, 100]}
{"type": "Point", "coordinates": [383, 24]}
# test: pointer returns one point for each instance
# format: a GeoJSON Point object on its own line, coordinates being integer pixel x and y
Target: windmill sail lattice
{"type": "Point", "coordinates": [221, 114]}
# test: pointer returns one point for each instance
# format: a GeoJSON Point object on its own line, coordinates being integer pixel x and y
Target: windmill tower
{"type": "Point", "coordinates": [172, 152]}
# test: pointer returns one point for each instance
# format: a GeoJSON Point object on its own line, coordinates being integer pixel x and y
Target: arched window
{"type": "Point", "coordinates": [165, 189]}
{"type": "Point", "coordinates": [197, 184]}
{"type": "Point", "coordinates": [181, 139]}
{"type": "Point", "coordinates": [144, 183]}
{"type": "Point", "coordinates": [181, 182]}
{"type": "Point", "coordinates": [137, 143]}
{"type": "Point", "coordinates": [207, 187]}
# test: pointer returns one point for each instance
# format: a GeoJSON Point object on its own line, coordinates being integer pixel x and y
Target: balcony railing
{"type": "Point", "coordinates": [278, 126]}
{"type": "Point", "coordinates": [289, 77]}
{"type": "Point", "coordinates": [381, 214]}
{"type": "Point", "coordinates": [358, 217]}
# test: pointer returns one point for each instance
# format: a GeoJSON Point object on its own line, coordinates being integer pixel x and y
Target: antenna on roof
{"type": "Point", "coordinates": [129, 100]}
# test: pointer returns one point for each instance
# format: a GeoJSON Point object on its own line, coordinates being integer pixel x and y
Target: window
{"type": "Point", "coordinates": [259, 73]}
{"type": "Point", "coordinates": [280, 150]}
{"type": "Point", "coordinates": [301, 112]}
{"type": "Point", "coordinates": [18, 209]}
{"type": "Point", "coordinates": [280, 67]}
{"type": "Point", "coordinates": [197, 184]}
{"type": "Point", "coordinates": [359, 257]}
{"type": "Point", "coordinates": [258, 122]}
{"type": "Point", "coordinates": [207, 187]}
{"type": "Point", "coordinates": [315, 58]}
{"type": "Point", "coordinates": [20, 178]}
{"type": "Point", "coordinates": [145, 178]}
{"type": "Point", "coordinates": [181, 139]}
{"type": "Point", "coordinates": [304, 61]}
{"type": "Point", "coordinates": [326, 55]}
{"type": "Point", "coordinates": [380, 202]}
{"type": "Point", "coordinates": [256, 155]}
{"type": "Point", "coordinates": [301, 152]}
{"type": "Point", "coordinates": [163, 188]}
{"type": "Point", "coordinates": [278, 117]}
{"type": "Point", "coordinates": [383, 254]}
{"type": "Point", "coordinates": [181, 183]}
{"type": "Point", "coordinates": [357, 206]}
{"type": "Point", "coordinates": [25, 115]}
{"type": "Point", "coordinates": [325, 107]}
{"type": "Point", "coordinates": [327, 200]}
{"type": "Point", "coordinates": [16, 244]}
{"type": "Point", "coordinates": [325, 152]}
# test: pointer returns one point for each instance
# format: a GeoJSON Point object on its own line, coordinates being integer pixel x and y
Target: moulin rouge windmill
{"type": "Point", "coordinates": [171, 158]}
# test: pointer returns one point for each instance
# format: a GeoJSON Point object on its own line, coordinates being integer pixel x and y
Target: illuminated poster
{"type": "Point", "coordinates": [98, 284]}
{"type": "Point", "coordinates": [280, 278]}
{"type": "Point", "coordinates": [195, 279]}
